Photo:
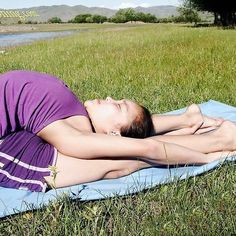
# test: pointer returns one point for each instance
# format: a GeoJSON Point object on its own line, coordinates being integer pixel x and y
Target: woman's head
{"type": "Point", "coordinates": [120, 117]}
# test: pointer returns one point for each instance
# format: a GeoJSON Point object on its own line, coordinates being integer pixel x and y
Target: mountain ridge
{"type": "Point", "coordinates": [66, 12]}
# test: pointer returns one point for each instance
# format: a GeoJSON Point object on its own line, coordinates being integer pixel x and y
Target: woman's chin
{"type": "Point", "coordinates": [87, 103]}
{"type": "Point", "coordinates": [91, 102]}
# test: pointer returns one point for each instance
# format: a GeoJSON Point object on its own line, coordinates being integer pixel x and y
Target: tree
{"type": "Point", "coordinates": [125, 15]}
{"type": "Point", "coordinates": [129, 14]}
{"type": "Point", "coordinates": [140, 16]}
{"type": "Point", "coordinates": [82, 18]}
{"type": "Point", "coordinates": [89, 19]}
{"type": "Point", "coordinates": [150, 18]}
{"type": "Point", "coordinates": [188, 14]}
{"type": "Point", "coordinates": [224, 11]}
{"type": "Point", "coordinates": [55, 20]}
{"type": "Point", "coordinates": [99, 19]}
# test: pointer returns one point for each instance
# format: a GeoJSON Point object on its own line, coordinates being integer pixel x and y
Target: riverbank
{"type": "Point", "coordinates": [16, 28]}
{"type": "Point", "coordinates": [41, 27]}
{"type": "Point", "coordinates": [57, 27]}
{"type": "Point", "coordinates": [14, 35]}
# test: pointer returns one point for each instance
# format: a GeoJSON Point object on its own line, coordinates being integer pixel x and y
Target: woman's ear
{"type": "Point", "coordinates": [116, 133]}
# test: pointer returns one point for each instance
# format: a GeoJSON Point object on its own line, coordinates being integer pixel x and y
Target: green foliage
{"type": "Point", "coordinates": [187, 14]}
{"type": "Point", "coordinates": [224, 11]}
{"type": "Point", "coordinates": [55, 20]}
{"type": "Point", "coordinates": [129, 14]}
{"type": "Point", "coordinates": [30, 22]}
{"type": "Point", "coordinates": [121, 16]}
{"type": "Point", "coordinates": [99, 19]}
{"type": "Point", "coordinates": [126, 15]}
{"type": "Point", "coordinates": [147, 18]}
{"type": "Point", "coordinates": [81, 18]}
{"type": "Point", "coordinates": [88, 18]}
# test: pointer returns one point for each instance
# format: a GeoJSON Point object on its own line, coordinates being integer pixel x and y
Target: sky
{"type": "Point", "coordinates": [116, 4]}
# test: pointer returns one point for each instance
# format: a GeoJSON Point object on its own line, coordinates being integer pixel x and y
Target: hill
{"type": "Point", "coordinates": [67, 12]}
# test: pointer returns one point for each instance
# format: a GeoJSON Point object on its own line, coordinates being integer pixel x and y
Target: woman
{"type": "Point", "coordinates": [43, 105]}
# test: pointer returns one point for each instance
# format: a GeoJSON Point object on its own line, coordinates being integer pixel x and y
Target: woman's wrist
{"type": "Point", "coordinates": [150, 148]}
{"type": "Point", "coordinates": [186, 121]}
{"type": "Point", "coordinates": [192, 116]}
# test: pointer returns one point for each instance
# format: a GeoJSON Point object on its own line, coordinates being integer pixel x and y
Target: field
{"type": "Point", "coordinates": [163, 67]}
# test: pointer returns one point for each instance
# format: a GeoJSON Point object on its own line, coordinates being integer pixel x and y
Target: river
{"type": "Point", "coordinates": [13, 39]}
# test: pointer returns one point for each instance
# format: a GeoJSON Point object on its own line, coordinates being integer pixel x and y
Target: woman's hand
{"type": "Point", "coordinates": [190, 122]}
{"type": "Point", "coordinates": [199, 123]}
{"type": "Point", "coordinates": [194, 122]}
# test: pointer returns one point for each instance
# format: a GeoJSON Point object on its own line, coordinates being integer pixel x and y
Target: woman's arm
{"type": "Point", "coordinates": [192, 118]}
{"type": "Point", "coordinates": [86, 145]}
{"type": "Point", "coordinates": [167, 123]}
{"type": "Point", "coordinates": [73, 143]}
{"type": "Point", "coordinates": [186, 123]}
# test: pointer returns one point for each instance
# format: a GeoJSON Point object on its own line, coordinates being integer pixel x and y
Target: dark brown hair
{"type": "Point", "coordinates": [141, 127]}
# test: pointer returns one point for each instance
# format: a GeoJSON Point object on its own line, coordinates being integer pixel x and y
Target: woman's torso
{"type": "Point", "coordinates": [32, 100]}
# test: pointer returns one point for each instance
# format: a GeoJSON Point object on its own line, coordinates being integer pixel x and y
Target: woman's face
{"type": "Point", "coordinates": [111, 115]}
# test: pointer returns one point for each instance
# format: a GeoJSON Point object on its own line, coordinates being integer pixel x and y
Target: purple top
{"type": "Point", "coordinates": [31, 100]}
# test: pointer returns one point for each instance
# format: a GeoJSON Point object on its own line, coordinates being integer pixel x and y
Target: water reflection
{"type": "Point", "coordinates": [12, 39]}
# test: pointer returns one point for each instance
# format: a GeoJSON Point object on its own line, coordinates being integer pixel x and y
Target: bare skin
{"type": "Point", "coordinates": [88, 149]}
{"type": "Point", "coordinates": [220, 139]}
{"type": "Point", "coordinates": [72, 171]}
{"type": "Point", "coordinates": [72, 142]}
{"type": "Point", "coordinates": [192, 121]}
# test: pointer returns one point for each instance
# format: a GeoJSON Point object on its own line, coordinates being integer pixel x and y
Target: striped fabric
{"type": "Point", "coordinates": [24, 161]}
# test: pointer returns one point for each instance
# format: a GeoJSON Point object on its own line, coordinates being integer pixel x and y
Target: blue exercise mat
{"type": "Point", "coordinates": [14, 201]}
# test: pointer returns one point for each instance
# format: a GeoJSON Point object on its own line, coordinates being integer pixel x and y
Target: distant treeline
{"type": "Point", "coordinates": [129, 15]}
{"type": "Point", "coordinates": [122, 16]}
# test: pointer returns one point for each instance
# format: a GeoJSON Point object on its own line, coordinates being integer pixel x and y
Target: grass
{"type": "Point", "coordinates": [164, 67]}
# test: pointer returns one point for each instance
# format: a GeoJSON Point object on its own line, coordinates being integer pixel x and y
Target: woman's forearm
{"type": "Point", "coordinates": [93, 146]}
{"type": "Point", "coordinates": [71, 142]}
{"type": "Point", "coordinates": [172, 154]}
{"type": "Point", "coordinates": [166, 123]}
